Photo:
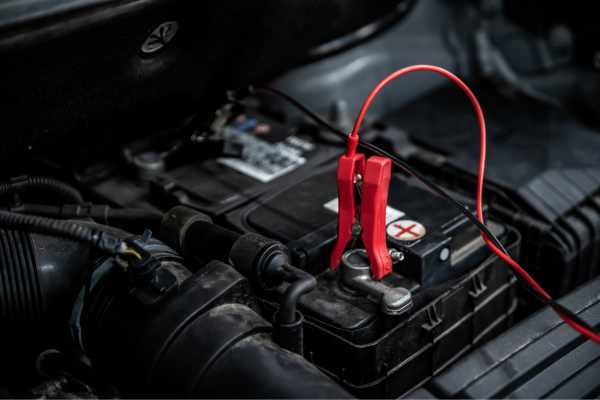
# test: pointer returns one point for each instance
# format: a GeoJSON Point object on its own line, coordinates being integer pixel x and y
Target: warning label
{"type": "Point", "coordinates": [268, 150]}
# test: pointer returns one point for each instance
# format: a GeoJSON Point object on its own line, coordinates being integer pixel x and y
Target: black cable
{"type": "Point", "coordinates": [62, 190]}
{"type": "Point", "coordinates": [302, 283]}
{"type": "Point", "coordinates": [430, 185]}
{"type": "Point", "coordinates": [101, 213]}
{"type": "Point", "coordinates": [99, 239]}
{"type": "Point", "coordinates": [395, 159]}
{"type": "Point", "coordinates": [482, 227]}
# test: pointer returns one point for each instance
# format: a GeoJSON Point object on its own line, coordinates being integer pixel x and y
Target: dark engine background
{"type": "Point", "coordinates": [73, 79]}
{"type": "Point", "coordinates": [233, 196]}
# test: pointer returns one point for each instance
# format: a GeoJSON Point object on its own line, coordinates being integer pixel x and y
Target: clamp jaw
{"type": "Point", "coordinates": [368, 219]}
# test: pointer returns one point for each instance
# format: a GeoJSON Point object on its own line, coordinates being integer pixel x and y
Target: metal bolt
{"type": "Point", "coordinates": [396, 255]}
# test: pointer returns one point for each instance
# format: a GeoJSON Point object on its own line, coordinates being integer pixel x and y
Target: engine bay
{"type": "Point", "coordinates": [218, 217]}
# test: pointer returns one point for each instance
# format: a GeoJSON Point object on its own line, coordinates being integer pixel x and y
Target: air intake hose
{"type": "Point", "coordinates": [40, 277]}
{"type": "Point", "coordinates": [205, 340]}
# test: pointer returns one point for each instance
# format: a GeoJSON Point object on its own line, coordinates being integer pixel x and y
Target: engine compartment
{"type": "Point", "coordinates": [224, 232]}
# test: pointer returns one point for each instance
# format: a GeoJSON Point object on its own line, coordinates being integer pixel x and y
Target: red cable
{"type": "Point", "coordinates": [351, 150]}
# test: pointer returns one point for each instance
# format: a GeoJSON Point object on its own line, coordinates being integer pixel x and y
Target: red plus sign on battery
{"type": "Point", "coordinates": [403, 230]}
{"type": "Point", "coordinates": [406, 230]}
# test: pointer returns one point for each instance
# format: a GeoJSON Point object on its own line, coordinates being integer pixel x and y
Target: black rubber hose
{"type": "Point", "coordinates": [62, 190]}
{"type": "Point", "coordinates": [99, 239]}
{"type": "Point", "coordinates": [302, 284]}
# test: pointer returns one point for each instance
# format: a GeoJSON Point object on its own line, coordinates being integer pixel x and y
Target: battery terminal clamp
{"type": "Point", "coordinates": [356, 275]}
{"type": "Point", "coordinates": [366, 220]}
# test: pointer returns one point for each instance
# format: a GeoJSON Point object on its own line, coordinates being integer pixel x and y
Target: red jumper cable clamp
{"type": "Point", "coordinates": [369, 218]}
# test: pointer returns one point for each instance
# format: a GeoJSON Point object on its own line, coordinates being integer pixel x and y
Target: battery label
{"type": "Point", "coordinates": [391, 214]}
{"type": "Point", "coordinates": [265, 154]}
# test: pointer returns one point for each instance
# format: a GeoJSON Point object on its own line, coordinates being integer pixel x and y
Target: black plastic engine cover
{"type": "Point", "coordinates": [539, 358]}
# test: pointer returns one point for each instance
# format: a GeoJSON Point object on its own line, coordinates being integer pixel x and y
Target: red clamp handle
{"type": "Point", "coordinates": [376, 173]}
{"type": "Point", "coordinates": [347, 169]}
{"type": "Point", "coordinates": [376, 183]}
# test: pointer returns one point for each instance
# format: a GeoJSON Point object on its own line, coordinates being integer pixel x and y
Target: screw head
{"type": "Point", "coordinates": [396, 255]}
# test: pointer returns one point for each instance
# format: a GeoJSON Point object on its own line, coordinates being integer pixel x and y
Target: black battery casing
{"type": "Point", "coordinates": [301, 217]}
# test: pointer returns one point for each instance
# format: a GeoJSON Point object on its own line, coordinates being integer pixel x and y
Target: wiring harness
{"type": "Point", "coordinates": [61, 190]}
{"type": "Point", "coordinates": [18, 217]}
{"type": "Point", "coordinates": [97, 238]}
{"type": "Point", "coordinates": [478, 219]}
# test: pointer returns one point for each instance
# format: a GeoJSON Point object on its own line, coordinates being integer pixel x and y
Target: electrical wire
{"type": "Point", "coordinates": [62, 190]}
{"type": "Point", "coordinates": [570, 318]}
{"type": "Point", "coordinates": [377, 150]}
{"type": "Point", "coordinates": [101, 213]}
{"type": "Point", "coordinates": [132, 252]}
{"type": "Point", "coordinates": [480, 177]}
{"type": "Point", "coordinates": [398, 162]}
{"type": "Point", "coordinates": [99, 239]}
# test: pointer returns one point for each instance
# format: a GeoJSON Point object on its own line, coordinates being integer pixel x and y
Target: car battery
{"type": "Point", "coordinates": [436, 239]}
{"type": "Point", "coordinates": [542, 175]}
{"type": "Point", "coordinates": [461, 294]}
{"type": "Point", "coordinates": [255, 153]}
{"type": "Point", "coordinates": [377, 355]}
